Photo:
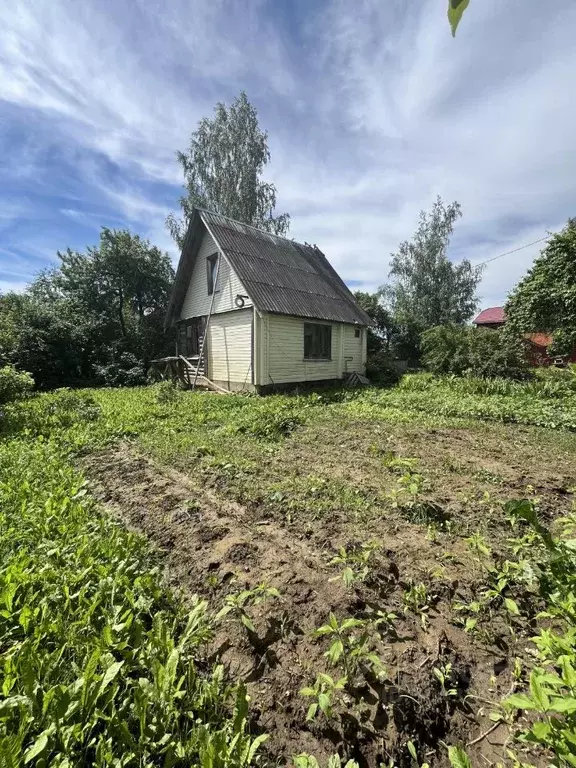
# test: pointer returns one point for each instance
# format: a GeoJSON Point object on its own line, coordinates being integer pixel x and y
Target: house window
{"type": "Point", "coordinates": [211, 272]}
{"type": "Point", "coordinates": [317, 341]}
{"type": "Point", "coordinates": [357, 333]}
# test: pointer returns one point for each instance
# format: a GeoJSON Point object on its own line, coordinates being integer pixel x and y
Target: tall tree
{"type": "Point", "coordinates": [545, 299]}
{"type": "Point", "coordinates": [223, 168]}
{"type": "Point", "coordinates": [99, 310]}
{"type": "Point", "coordinates": [125, 279]}
{"type": "Point", "coordinates": [381, 333]}
{"type": "Point", "coordinates": [427, 288]}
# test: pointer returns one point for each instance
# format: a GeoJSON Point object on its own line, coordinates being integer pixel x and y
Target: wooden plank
{"type": "Point", "coordinates": [204, 382]}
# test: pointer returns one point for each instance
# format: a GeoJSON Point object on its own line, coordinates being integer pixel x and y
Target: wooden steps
{"type": "Point", "coordinates": [182, 369]}
{"type": "Point", "coordinates": [193, 379]}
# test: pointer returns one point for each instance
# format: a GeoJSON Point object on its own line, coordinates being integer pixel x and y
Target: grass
{"type": "Point", "coordinates": [100, 665]}
{"type": "Point", "coordinates": [507, 402]}
{"type": "Point", "coordinates": [103, 665]}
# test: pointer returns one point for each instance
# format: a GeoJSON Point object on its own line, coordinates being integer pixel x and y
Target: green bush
{"type": "Point", "coordinates": [167, 392]}
{"type": "Point", "coordinates": [126, 371]}
{"type": "Point", "coordinates": [14, 384]}
{"type": "Point", "coordinates": [55, 410]}
{"type": "Point", "coordinates": [486, 353]}
{"type": "Point", "coordinates": [381, 369]}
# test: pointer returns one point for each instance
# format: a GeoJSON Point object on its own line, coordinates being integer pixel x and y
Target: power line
{"type": "Point", "coordinates": [515, 250]}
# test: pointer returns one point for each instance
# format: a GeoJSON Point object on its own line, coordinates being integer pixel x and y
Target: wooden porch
{"type": "Point", "coordinates": [186, 371]}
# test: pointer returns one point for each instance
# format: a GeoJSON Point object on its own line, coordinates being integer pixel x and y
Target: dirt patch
{"type": "Point", "coordinates": [217, 547]}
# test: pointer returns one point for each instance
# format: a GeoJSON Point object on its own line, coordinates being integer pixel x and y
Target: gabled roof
{"type": "Point", "coordinates": [490, 316]}
{"type": "Point", "coordinates": [280, 275]}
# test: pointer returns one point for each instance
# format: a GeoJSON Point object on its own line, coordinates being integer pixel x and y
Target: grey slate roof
{"type": "Point", "coordinates": [280, 275]}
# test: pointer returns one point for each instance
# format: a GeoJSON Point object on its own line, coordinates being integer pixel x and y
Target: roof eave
{"type": "Point", "coordinates": [173, 309]}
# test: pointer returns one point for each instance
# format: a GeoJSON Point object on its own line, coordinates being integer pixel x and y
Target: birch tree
{"type": "Point", "coordinates": [428, 289]}
{"type": "Point", "coordinates": [222, 170]}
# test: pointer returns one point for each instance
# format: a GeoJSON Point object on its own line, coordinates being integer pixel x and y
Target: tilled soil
{"type": "Point", "coordinates": [214, 547]}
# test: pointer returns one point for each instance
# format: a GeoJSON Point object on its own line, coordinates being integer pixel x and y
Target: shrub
{"type": "Point", "coordinates": [167, 392]}
{"type": "Point", "coordinates": [14, 384]}
{"type": "Point", "coordinates": [126, 371]}
{"type": "Point", "coordinates": [381, 369]}
{"type": "Point", "coordinates": [453, 349]}
{"type": "Point", "coordinates": [272, 426]}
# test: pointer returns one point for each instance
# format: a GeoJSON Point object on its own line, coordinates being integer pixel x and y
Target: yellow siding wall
{"type": "Point", "coordinates": [354, 359]}
{"type": "Point", "coordinates": [230, 347]}
{"type": "Point", "coordinates": [280, 351]}
{"type": "Point", "coordinates": [197, 301]}
{"type": "Point", "coordinates": [283, 337]}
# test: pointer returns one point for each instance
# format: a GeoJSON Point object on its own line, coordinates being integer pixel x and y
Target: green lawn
{"type": "Point", "coordinates": [402, 504]}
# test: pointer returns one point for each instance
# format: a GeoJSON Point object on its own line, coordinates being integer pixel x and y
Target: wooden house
{"type": "Point", "coordinates": [254, 311]}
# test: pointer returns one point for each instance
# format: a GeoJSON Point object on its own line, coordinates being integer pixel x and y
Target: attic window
{"type": "Point", "coordinates": [317, 341]}
{"type": "Point", "coordinates": [357, 333]}
{"type": "Point", "coordinates": [211, 272]}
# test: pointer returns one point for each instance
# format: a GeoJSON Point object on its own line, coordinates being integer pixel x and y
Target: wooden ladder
{"type": "Point", "coordinates": [202, 381]}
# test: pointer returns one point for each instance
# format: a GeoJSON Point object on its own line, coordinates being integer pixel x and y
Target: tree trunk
{"type": "Point", "coordinates": [121, 312]}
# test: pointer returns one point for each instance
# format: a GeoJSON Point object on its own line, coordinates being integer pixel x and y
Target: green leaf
{"type": "Point", "coordinates": [245, 619]}
{"type": "Point", "coordinates": [13, 702]}
{"type": "Point", "coordinates": [324, 703]}
{"type": "Point", "coordinates": [307, 692]}
{"type": "Point", "coordinates": [540, 731]}
{"type": "Point", "coordinates": [458, 758]}
{"type": "Point", "coordinates": [348, 576]}
{"type": "Point", "coordinates": [37, 748]}
{"type": "Point", "coordinates": [438, 674]}
{"type": "Point", "coordinates": [305, 761]}
{"type": "Point", "coordinates": [335, 651]}
{"type": "Point", "coordinates": [312, 709]}
{"type": "Point", "coordinates": [350, 623]}
{"type": "Point", "coordinates": [511, 606]}
{"type": "Point", "coordinates": [538, 692]}
{"type": "Point", "coordinates": [455, 10]}
{"type": "Point", "coordinates": [565, 704]}
{"type": "Point", "coordinates": [412, 750]}
{"type": "Point", "coordinates": [325, 629]}
{"type": "Point", "coordinates": [519, 701]}
{"type": "Point", "coordinates": [255, 746]}
{"type": "Point", "coordinates": [109, 675]}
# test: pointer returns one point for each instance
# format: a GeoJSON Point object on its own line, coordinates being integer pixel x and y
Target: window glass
{"type": "Point", "coordinates": [317, 341]}
{"type": "Point", "coordinates": [211, 268]}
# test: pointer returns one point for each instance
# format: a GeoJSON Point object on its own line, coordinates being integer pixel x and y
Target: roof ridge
{"type": "Point", "coordinates": [256, 229]}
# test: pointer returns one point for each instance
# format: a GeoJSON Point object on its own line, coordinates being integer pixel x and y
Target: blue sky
{"type": "Point", "coordinates": [372, 110]}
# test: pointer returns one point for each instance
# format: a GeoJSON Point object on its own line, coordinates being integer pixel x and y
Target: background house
{"type": "Point", "coordinates": [274, 312]}
{"type": "Point", "coordinates": [495, 317]}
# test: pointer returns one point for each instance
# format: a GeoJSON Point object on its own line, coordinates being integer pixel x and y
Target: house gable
{"type": "Point", "coordinates": [197, 301]}
{"type": "Point", "coordinates": [279, 275]}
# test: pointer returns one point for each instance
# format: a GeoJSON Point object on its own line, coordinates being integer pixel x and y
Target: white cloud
{"type": "Point", "coordinates": [17, 286]}
{"type": "Point", "coordinates": [373, 109]}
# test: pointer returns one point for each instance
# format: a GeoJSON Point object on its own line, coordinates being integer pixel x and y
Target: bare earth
{"type": "Point", "coordinates": [213, 546]}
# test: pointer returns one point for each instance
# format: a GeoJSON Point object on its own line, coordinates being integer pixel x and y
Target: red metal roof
{"type": "Point", "coordinates": [491, 315]}
{"type": "Point", "coordinates": [540, 339]}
